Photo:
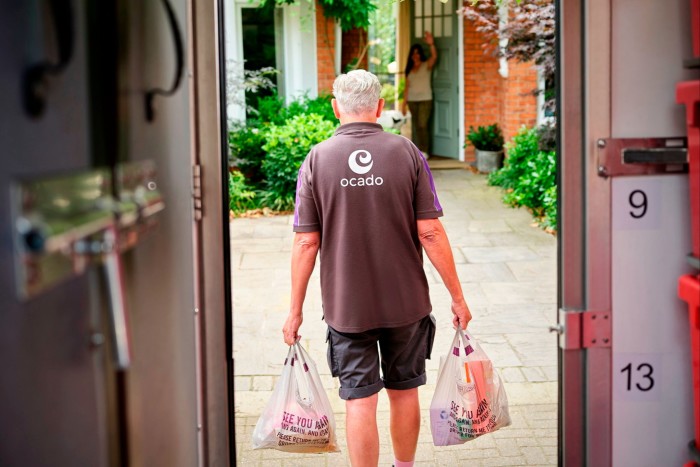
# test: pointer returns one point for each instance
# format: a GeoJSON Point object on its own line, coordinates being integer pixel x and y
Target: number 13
{"type": "Point", "coordinates": [646, 376]}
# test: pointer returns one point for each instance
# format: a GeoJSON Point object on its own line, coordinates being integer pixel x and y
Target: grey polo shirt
{"type": "Point", "coordinates": [363, 189]}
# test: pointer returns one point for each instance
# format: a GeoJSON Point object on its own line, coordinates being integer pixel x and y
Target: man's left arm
{"type": "Point", "coordinates": [304, 252]}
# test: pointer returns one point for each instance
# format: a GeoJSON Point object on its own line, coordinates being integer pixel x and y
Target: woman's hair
{"type": "Point", "coordinates": [409, 62]}
{"type": "Point", "coordinates": [357, 92]}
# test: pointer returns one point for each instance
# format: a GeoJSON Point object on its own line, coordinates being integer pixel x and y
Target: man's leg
{"type": "Point", "coordinates": [362, 434]}
{"type": "Point", "coordinates": [405, 422]}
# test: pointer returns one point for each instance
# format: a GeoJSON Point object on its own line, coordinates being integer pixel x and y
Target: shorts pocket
{"type": "Point", "coordinates": [330, 356]}
{"type": "Point", "coordinates": [430, 336]}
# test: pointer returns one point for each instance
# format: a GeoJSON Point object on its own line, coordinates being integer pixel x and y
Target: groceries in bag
{"type": "Point", "coordinates": [298, 417]}
{"type": "Point", "coordinates": [469, 399]}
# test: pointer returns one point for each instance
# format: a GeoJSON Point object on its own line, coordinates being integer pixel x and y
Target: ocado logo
{"type": "Point", "coordinates": [366, 161]}
{"type": "Point", "coordinates": [361, 162]}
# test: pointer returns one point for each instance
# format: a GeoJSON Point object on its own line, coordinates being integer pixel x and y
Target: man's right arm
{"type": "Point", "coordinates": [433, 237]}
{"type": "Point", "coordinates": [304, 252]}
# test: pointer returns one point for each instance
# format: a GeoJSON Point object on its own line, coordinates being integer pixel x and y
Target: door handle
{"type": "Point", "coordinates": [63, 224]}
{"type": "Point", "coordinates": [114, 273]}
{"type": "Point", "coordinates": [34, 86]}
{"type": "Point", "coordinates": [179, 63]}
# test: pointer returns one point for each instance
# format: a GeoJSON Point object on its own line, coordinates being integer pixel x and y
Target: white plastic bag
{"type": "Point", "coordinates": [298, 416]}
{"type": "Point", "coordinates": [469, 399]}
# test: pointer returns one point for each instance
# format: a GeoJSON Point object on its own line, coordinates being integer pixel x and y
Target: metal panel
{"type": "Point", "coordinates": [210, 152]}
{"type": "Point", "coordinates": [651, 363]}
{"type": "Point", "coordinates": [650, 40]}
{"type": "Point", "coordinates": [570, 238]}
{"type": "Point", "coordinates": [597, 124]}
{"type": "Point", "coordinates": [161, 384]}
{"type": "Point", "coordinates": [53, 407]}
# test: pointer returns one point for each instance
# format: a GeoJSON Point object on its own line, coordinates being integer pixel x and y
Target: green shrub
{"type": "Point", "coordinates": [388, 93]}
{"type": "Point", "coordinates": [271, 109]}
{"type": "Point", "coordinates": [242, 197]}
{"type": "Point", "coordinates": [486, 138]}
{"type": "Point", "coordinates": [320, 105]}
{"type": "Point", "coordinates": [525, 145]}
{"type": "Point", "coordinates": [246, 152]}
{"type": "Point", "coordinates": [529, 177]}
{"type": "Point", "coordinates": [286, 146]}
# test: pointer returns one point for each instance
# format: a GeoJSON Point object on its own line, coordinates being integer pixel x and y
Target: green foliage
{"type": "Point", "coordinates": [271, 109]}
{"type": "Point", "coordinates": [287, 145]}
{"type": "Point", "coordinates": [270, 149]}
{"type": "Point", "coordinates": [320, 105]}
{"type": "Point", "coordinates": [246, 152]}
{"type": "Point", "coordinates": [242, 197]}
{"type": "Point", "coordinates": [529, 177]}
{"type": "Point", "coordinates": [388, 93]}
{"type": "Point", "coordinates": [350, 13]}
{"type": "Point", "coordinates": [486, 138]}
{"type": "Point", "coordinates": [524, 146]}
{"type": "Point", "coordinates": [381, 35]}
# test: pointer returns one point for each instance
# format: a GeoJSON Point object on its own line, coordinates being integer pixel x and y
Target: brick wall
{"type": "Point", "coordinates": [354, 41]}
{"type": "Point", "coordinates": [325, 51]}
{"type": "Point", "coordinates": [488, 97]}
{"type": "Point", "coordinates": [520, 106]}
{"type": "Point", "coordinates": [483, 86]}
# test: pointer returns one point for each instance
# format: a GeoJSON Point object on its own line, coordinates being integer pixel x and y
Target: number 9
{"type": "Point", "coordinates": [641, 205]}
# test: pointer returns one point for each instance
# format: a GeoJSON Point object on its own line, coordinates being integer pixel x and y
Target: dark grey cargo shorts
{"type": "Point", "coordinates": [355, 358]}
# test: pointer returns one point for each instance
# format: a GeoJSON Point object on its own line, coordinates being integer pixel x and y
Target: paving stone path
{"type": "Point", "coordinates": [508, 272]}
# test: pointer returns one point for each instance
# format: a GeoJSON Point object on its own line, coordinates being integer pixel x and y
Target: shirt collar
{"type": "Point", "coordinates": [358, 128]}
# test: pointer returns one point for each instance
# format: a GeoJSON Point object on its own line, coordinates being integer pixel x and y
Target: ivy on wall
{"type": "Point", "coordinates": [350, 13]}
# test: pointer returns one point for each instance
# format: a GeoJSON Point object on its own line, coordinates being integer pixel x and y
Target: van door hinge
{"type": "Point", "coordinates": [583, 329]}
{"type": "Point", "coordinates": [197, 202]}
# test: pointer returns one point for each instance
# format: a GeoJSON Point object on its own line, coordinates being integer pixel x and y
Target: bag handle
{"type": "Point", "coordinates": [299, 354]}
{"type": "Point", "coordinates": [307, 396]}
{"type": "Point", "coordinates": [461, 337]}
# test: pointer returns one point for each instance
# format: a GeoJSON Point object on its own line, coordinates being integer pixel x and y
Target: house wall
{"type": "Point", "coordinates": [490, 98]}
{"type": "Point", "coordinates": [325, 51]}
{"type": "Point", "coordinates": [519, 105]}
{"type": "Point", "coordinates": [354, 42]}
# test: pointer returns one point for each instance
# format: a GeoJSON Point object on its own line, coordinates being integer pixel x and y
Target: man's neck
{"type": "Point", "coordinates": [358, 119]}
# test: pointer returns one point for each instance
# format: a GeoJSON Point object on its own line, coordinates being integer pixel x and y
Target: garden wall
{"type": "Point", "coordinates": [490, 98]}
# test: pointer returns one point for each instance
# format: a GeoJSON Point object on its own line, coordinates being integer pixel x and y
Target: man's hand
{"type": "Point", "coordinates": [291, 328]}
{"type": "Point", "coordinates": [461, 312]}
{"type": "Point", "coordinates": [429, 38]}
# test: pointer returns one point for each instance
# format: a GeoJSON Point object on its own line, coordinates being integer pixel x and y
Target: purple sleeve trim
{"type": "Point", "coordinates": [436, 202]}
{"type": "Point", "coordinates": [297, 200]}
{"type": "Point", "coordinates": [455, 351]}
{"type": "Point", "coordinates": [468, 349]}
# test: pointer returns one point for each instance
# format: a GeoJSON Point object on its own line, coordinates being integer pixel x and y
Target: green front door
{"type": "Point", "coordinates": [441, 20]}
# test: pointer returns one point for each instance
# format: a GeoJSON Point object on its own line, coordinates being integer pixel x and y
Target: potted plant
{"type": "Point", "coordinates": [488, 142]}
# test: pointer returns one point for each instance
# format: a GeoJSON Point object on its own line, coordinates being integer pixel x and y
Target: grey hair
{"type": "Point", "coordinates": [357, 92]}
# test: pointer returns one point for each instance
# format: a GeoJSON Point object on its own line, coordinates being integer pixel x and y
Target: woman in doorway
{"type": "Point", "coordinates": [418, 91]}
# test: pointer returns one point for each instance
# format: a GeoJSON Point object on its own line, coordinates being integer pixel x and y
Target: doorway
{"type": "Point", "coordinates": [507, 267]}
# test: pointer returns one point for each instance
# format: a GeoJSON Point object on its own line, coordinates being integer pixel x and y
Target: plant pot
{"type": "Point", "coordinates": [488, 161]}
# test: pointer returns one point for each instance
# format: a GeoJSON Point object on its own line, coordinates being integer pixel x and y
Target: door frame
{"type": "Point", "coordinates": [213, 306]}
{"type": "Point", "coordinates": [459, 38]}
